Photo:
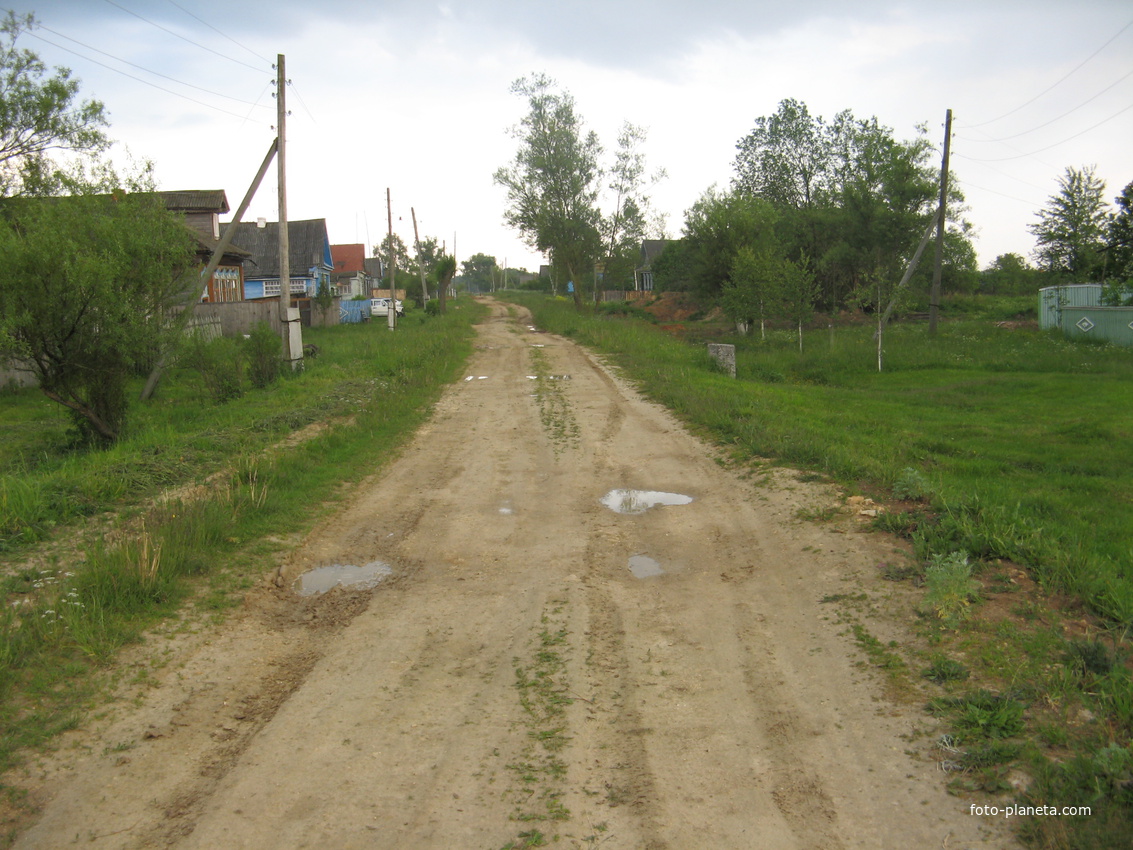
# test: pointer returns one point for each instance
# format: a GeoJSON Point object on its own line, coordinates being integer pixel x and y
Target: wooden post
{"type": "Point", "coordinates": [391, 314]}
{"type": "Point", "coordinates": [934, 301]}
{"type": "Point", "coordinates": [289, 346]}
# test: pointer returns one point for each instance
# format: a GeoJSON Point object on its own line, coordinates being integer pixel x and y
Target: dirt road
{"type": "Point", "coordinates": [539, 664]}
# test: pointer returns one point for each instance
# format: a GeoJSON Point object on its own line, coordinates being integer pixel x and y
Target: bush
{"type": "Point", "coordinates": [433, 307]}
{"type": "Point", "coordinates": [220, 365]}
{"type": "Point", "coordinates": [951, 588]}
{"type": "Point", "coordinates": [264, 350]}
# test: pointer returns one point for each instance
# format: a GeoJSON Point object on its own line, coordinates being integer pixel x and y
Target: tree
{"type": "Point", "coordinates": [1070, 232]}
{"type": "Point", "coordinates": [400, 252]}
{"type": "Point", "coordinates": [477, 272]}
{"type": "Point", "coordinates": [85, 298]}
{"type": "Point", "coordinates": [1119, 238]}
{"type": "Point", "coordinates": [446, 268]}
{"type": "Point", "coordinates": [797, 292]}
{"type": "Point", "coordinates": [786, 157]}
{"type": "Point", "coordinates": [716, 227]}
{"type": "Point", "coordinates": [630, 220]}
{"type": "Point", "coordinates": [1009, 274]}
{"type": "Point", "coordinates": [752, 288]}
{"type": "Point", "coordinates": [553, 182]}
{"type": "Point", "coordinates": [40, 114]}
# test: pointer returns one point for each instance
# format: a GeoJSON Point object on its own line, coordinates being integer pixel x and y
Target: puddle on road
{"type": "Point", "coordinates": [342, 575]}
{"type": "Point", "coordinates": [639, 501]}
{"type": "Point", "coordinates": [642, 566]}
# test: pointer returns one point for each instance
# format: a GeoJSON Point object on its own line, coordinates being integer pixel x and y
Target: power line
{"type": "Point", "coordinates": [1056, 144]}
{"type": "Point", "coordinates": [139, 67]}
{"type": "Point", "coordinates": [219, 32]}
{"type": "Point", "coordinates": [139, 79]}
{"type": "Point", "coordinates": [1056, 84]}
{"type": "Point", "coordinates": [1060, 117]}
{"type": "Point", "coordinates": [183, 38]}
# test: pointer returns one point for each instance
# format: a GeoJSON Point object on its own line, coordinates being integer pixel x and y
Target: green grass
{"type": "Point", "coordinates": [59, 624]}
{"type": "Point", "coordinates": [1020, 439]}
{"type": "Point", "coordinates": [1011, 445]}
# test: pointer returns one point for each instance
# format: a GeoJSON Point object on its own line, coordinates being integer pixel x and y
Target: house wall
{"type": "Point", "coordinates": [14, 374]}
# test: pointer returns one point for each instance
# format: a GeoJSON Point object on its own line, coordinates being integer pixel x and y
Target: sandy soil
{"type": "Point", "coordinates": [514, 678]}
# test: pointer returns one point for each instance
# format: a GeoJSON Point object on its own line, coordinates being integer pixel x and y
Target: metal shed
{"type": "Point", "coordinates": [1112, 324]}
{"type": "Point", "coordinates": [1052, 299]}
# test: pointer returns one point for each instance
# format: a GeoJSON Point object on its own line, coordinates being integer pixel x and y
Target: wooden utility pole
{"type": "Point", "coordinates": [292, 331]}
{"type": "Point", "coordinates": [420, 263]}
{"type": "Point", "coordinates": [392, 312]}
{"type": "Point", "coordinates": [934, 300]}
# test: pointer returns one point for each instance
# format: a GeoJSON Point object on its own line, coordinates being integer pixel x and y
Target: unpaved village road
{"type": "Point", "coordinates": [514, 677]}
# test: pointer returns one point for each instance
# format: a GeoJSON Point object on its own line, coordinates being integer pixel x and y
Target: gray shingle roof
{"type": "Point", "coordinates": [307, 242]}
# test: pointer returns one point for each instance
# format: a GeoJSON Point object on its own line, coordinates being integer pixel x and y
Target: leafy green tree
{"type": "Point", "coordinates": [400, 252]}
{"type": "Point", "coordinates": [1070, 231]}
{"type": "Point", "coordinates": [798, 290]}
{"type": "Point", "coordinates": [40, 113]}
{"type": "Point", "coordinates": [1119, 238]}
{"type": "Point", "coordinates": [630, 220]}
{"type": "Point", "coordinates": [716, 227]}
{"type": "Point", "coordinates": [477, 272]}
{"type": "Point", "coordinates": [446, 269]}
{"type": "Point", "coordinates": [554, 181]}
{"type": "Point", "coordinates": [848, 195]}
{"type": "Point", "coordinates": [752, 290]}
{"type": "Point", "coordinates": [88, 284]}
{"type": "Point", "coordinates": [786, 158]}
{"type": "Point", "coordinates": [1009, 274]}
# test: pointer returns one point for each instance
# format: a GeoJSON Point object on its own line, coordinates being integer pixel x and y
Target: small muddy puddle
{"type": "Point", "coordinates": [639, 501]}
{"type": "Point", "coordinates": [642, 566]}
{"type": "Point", "coordinates": [342, 575]}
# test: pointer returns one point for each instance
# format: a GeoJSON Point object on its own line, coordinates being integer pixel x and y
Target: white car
{"type": "Point", "coordinates": [380, 307]}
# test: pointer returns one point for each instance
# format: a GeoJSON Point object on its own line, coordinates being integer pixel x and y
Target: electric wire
{"type": "Point", "coordinates": [139, 79]}
{"type": "Point", "coordinates": [1053, 120]}
{"type": "Point", "coordinates": [1057, 83]}
{"type": "Point", "coordinates": [1056, 144]}
{"type": "Point", "coordinates": [183, 38]}
{"type": "Point", "coordinates": [219, 32]}
{"type": "Point", "coordinates": [142, 68]}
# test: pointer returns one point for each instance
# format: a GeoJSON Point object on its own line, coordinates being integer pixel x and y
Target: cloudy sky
{"type": "Point", "coordinates": [413, 95]}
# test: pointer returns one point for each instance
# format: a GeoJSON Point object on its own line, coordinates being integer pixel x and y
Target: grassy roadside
{"type": "Point", "coordinates": [1006, 455]}
{"type": "Point", "coordinates": [235, 479]}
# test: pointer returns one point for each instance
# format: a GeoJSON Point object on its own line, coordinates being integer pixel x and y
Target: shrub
{"type": "Point", "coordinates": [264, 350]}
{"type": "Point", "coordinates": [219, 363]}
{"type": "Point", "coordinates": [950, 587]}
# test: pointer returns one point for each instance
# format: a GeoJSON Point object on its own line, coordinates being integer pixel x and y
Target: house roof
{"type": "Point", "coordinates": [651, 249]}
{"type": "Point", "coordinates": [348, 258]}
{"type": "Point", "coordinates": [195, 200]}
{"type": "Point", "coordinates": [307, 241]}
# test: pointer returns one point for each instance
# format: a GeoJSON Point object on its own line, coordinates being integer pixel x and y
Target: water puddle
{"type": "Point", "coordinates": [639, 501]}
{"type": "Point", "coordinates": [342, 575]}
{"type": "Point", "coordinates": [642, 566]}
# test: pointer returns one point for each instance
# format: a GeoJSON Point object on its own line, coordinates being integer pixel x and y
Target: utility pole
{"type": "Point", "coordinates": [392, 312]}
{"type": "Point", "coordinates": [420, 264]}
{"type": "Point", "coordinates": [292, 330]}
{"type": "Point", "coordinates": [934, 300]}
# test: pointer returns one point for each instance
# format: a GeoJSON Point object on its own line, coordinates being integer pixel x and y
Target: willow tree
{"type": "Point", "coordinates": [554, 181]}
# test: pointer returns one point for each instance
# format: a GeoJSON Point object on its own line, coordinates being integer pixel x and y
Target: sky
{"type": "Point", "coordinates": [413, 96]}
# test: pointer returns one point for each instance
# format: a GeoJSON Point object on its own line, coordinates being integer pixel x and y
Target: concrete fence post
{"type": "Point", "coordinates": [725, 355]}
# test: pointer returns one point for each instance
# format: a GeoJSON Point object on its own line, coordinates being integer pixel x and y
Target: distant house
{"type": "Point", "coordinates": [350, 278]}
{"type": "Point", "coordinates": [643, 275]}
{"type": "Point", "coordinates": [201, 210]}
{"type": "Point", "coordinates": [309, 257]}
